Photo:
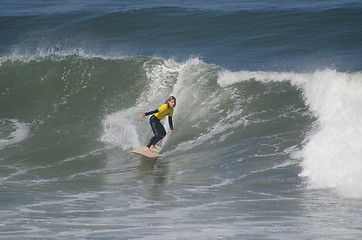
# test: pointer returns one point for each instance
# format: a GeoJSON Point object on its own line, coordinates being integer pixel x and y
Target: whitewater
{"type": "Point", "coordinates": [331, 152]}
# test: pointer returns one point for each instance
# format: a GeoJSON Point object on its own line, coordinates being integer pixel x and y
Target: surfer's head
{"type": "Point", "coordinates": [171, 102]}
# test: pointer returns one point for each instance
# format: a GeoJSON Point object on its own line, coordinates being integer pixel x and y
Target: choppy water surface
{"type": "Point", "coordinates": [267, 124]}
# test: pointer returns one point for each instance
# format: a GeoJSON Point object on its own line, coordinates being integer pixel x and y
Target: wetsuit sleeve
{"type": "Point", "coordinates": [170, 122]}
{"type": "Point", "coordinates": [151, 112]}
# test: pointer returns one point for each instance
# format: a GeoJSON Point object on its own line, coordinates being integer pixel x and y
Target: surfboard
{"type": "Point", "coordinates": [141, 150]}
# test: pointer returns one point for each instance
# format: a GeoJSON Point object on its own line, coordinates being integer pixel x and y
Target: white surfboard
{"type": "Point", "coordinates": [141, 150]}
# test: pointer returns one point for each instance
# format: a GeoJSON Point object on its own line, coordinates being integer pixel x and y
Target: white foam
{"type": "Point", "coordinates": [38, 54]}
{"type": "Point", "coordinates": [20, 134]}
{"type": "Point", "coordinates": [226, 78]}
{"type": "Point", "coordinates": [331, 157]}
{"type": "Point", "coordinates": [120, 129]}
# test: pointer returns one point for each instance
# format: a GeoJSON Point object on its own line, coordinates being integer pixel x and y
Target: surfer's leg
{"type": "Point", "coordinates": [158, 130]}
{"type": "Point", "coordinates": [159, 134]}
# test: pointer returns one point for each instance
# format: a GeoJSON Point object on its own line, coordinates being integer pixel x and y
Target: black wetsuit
{"type": "Point", "coordinates": [157, 128]}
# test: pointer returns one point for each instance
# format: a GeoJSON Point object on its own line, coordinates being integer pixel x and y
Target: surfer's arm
{"type": "Point", "coordinates": [170, 123]}
{"type": "Point", "coordinates": [148, 113]}
{"type": "Point", "coordinates": [151, 112]}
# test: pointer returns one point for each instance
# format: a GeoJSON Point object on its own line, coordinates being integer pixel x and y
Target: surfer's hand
{"type": "Point", "coordinates": [142, 115]}
{"type": "Point", "coordinates": [171, 131]}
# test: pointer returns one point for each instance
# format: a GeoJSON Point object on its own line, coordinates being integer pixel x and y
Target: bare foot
{"type": "Point", "coordinates": [147, 149]}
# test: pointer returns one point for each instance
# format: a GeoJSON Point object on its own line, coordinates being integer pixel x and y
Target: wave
{"type": "Point", "coordinates": [309, 116]}
{"type": "Point", "coordinates": [257, 38]}
{"type": "Point", "coordinates": [332, 151]}
{"type": "Point", "coordinates": [211, 102]}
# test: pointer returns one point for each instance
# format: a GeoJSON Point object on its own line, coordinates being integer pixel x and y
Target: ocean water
{"type": "Point", "coordinates": [267, 128]}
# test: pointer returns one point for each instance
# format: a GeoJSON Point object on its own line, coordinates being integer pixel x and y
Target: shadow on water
{"type": "Point", "coordinates": [154, 174]}
{"type": "Point", "coordinates": [146, 165]}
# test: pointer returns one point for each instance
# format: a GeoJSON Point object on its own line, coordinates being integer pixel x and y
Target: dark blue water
{"type": "Point", "coordinates": [233, 34]}
{"type": "Point", "coordinates": [267, 140]}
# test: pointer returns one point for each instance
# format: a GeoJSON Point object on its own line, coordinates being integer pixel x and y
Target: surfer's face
{"type": "Point", "coordinates": [171, 103]}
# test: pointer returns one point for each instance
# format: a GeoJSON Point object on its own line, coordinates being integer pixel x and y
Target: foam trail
{"type": "Point", "coordinates": [331, 157]}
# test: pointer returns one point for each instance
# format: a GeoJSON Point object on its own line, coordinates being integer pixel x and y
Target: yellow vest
{"type": "Point", "coordinates": [163, 111]}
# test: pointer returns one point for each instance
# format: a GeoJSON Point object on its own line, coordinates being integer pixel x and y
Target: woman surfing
{"type": "Point", "coordinates": [156, 125]}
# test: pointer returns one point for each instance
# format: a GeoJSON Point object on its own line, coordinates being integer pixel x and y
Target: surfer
{"type": "Point", "coordinates": [157, 127]}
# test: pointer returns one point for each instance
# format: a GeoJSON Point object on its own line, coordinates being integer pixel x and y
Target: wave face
{"type": "Point", "coordinates": [313, 115]}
